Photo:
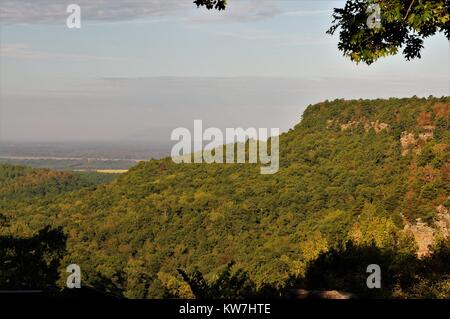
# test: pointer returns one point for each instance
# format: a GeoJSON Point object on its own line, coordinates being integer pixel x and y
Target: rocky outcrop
{"type": "Point", "coordinates": [330, 123]}
{"type": "Point", "coordinates": [317, 294]}
{"type": "Point", "coordinates": [443, 221]}
{"type": "Point", "coordinates": [349, 125]}
{"type": "Point", "coordinates": [377, 126]}
{"type": "Point", "coordinates": [425, 235]}
{"type": "Point", "coordinates": [409, 142]}
{"type": "Point", "coordinates": [426, 136]}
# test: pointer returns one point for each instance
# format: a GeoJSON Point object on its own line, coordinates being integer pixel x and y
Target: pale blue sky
{"type": "Point", "coordinates": [138, 69]}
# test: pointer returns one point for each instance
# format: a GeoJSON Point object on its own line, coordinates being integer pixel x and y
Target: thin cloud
{"type": "Point", "coordinates": [292, 39]}
{"type": "Point", "coordinates": [240, 11]}
{"type": "Point", "coordinates": [25, 51]}
{"type": "Point", "coordinates": [53, 11]}
{"type": "Point", "coordinates": [309, 13]}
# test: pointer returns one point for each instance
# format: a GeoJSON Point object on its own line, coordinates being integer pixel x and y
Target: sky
{"type": "Point", "coordinates": [137, 69]}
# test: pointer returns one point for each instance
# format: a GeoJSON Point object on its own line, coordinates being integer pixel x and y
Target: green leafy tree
{"type": "Point", "coordinates": [404, 24]}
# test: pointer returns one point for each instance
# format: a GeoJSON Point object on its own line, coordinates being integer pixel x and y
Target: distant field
{"type": "Point", "coordinates": [72, 164]}
{"type": "Point", "coordinates": [93, 150]}
{"type": "Point", "coordinates": [109, 158]}
{"type": "Point", "coordinates": [112, 171]}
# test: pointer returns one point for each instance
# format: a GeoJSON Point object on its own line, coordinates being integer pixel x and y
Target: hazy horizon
{"type": "Point", "coordinates": [137, 70]}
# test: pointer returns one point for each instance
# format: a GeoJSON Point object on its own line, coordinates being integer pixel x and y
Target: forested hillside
{"type": "Point", "coordinates": [373, 172]}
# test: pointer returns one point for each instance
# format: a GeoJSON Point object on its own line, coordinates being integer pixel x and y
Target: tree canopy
{"type": "Point", "coordinates": [403, 24]}
{"type": "Point", "coordinates": [358, 170]}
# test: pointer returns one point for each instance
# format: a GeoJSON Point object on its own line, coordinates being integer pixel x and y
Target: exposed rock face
{"type": "Point", "coordinates": [349, 125]}
{"type": "Point", "coordinates": [316, 294]}
{"type": "Point", "coordinates": [426, 136]}
{"type": "Point", "coordinates": [425, 235]}
{"type": "Point", "coordinates": [408, 142]}
{"type": "Point", "coordinates": [443, 221]}
{"type": "Point", "coordinates": [377, 125]}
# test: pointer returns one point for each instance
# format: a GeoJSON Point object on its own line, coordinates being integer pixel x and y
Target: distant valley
{"type": "Point", "coordinates": [81, 156]}
{"type": "Point", "coordinates": [361, 182]}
